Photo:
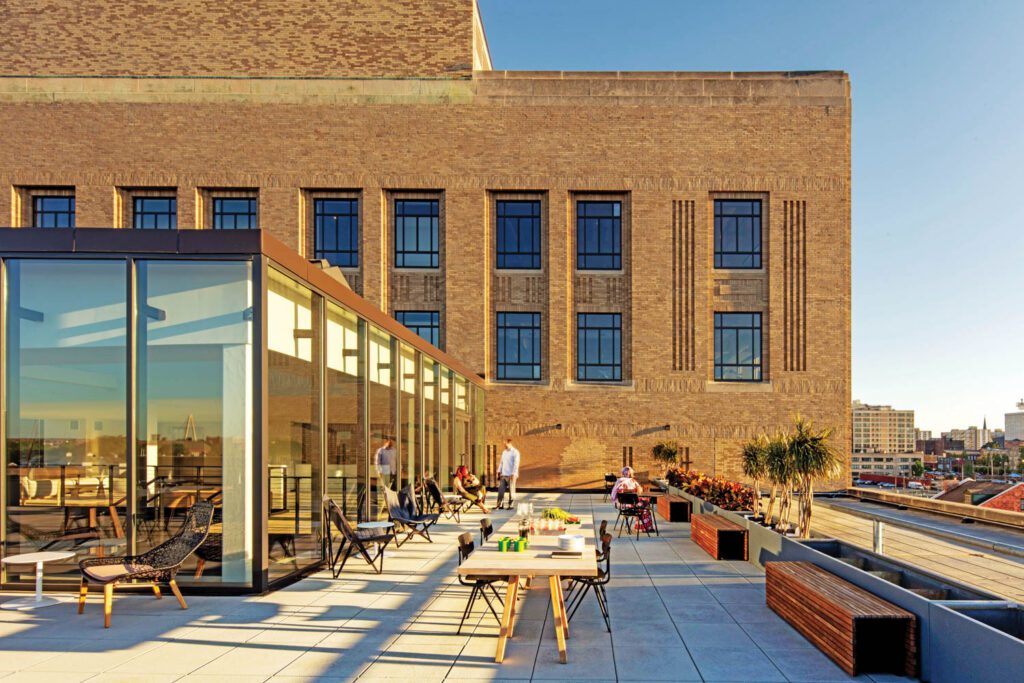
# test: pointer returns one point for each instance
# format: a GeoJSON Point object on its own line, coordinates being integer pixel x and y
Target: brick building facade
{"type": "Point", "coordinates": [407, 108]}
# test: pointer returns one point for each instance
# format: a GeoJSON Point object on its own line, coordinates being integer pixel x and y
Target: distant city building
{"type": "Point", "coordinates": [893, 464]}
{"type": "Point", "coordinates": [973, 437]}
{"type": "Point", "coordinates": [922, 434]}
{"type": "Point", "coordinates": [882, 429]}
{"type": "Point", "coordinates": [1015, 423]}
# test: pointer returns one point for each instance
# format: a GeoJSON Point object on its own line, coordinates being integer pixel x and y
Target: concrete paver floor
{"type": "Point", "coordinates": [677, 615]}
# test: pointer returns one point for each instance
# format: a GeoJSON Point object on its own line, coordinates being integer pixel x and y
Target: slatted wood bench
{"type": "Point", "coordinates": [721, 538]}
{"type": "Point", "coordinates": [859, 631]}
{"type": "Point", "coordinates": [674, 509]}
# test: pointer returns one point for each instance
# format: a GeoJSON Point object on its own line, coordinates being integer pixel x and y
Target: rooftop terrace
{"type": "Point", "coordinates": [676, 615]}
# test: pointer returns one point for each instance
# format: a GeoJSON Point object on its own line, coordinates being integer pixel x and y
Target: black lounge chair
{"type": "Point", "coordinates": [408, 520]}
{"type": "Point", "coordinates": [353, 541]}
{"type": "Point", "coordinates": [451, 506]}
{"type": "Point", "coordinates": [480, 584]}
{"type": "Point", "coordinates": [159, 564]}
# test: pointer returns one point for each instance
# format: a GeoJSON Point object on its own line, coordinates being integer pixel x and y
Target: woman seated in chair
{"type": "Point", "coordinates": [469, 487]}
{"type": "Point", "coordinates": [626, 484]}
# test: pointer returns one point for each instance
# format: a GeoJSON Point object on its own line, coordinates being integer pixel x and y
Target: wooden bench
{"type": "Point", "coordinates": [721, 538]}
{"type": "Point", "coordinates": [859, 631]}
{"type": "Point", "coordinates": [674, 509]}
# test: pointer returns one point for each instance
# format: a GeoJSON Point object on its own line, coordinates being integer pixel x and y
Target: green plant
{"type": "Point", "coordinates": [779, 471]}
{"type": "Point", "coordinates": [917, 468]}
{"type": "Point", "coordinates": [755, 466]}
{"type": "Point", "coordinates": [666, 452]}
{"type": "Point", "coordinates": [812, 458]}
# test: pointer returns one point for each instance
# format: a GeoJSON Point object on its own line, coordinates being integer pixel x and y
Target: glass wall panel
{"type": "Point", "coordinates": [447, 466]}
{"type": "Point", "coordinates": [65, 450]}
{"type": "Point", "coordinates": [346, 384]}
{"type": "Point", "coordinates": [383, 406]}
{"type": "Point", "coordinates": [293, 424]}
{"type": "Point", "coordinates": [195, 409]}
{"type": "Point", "coordinates": [431, 431]}
{"type": "Point", "coordinates": [464, 426]}
{"type": "Point", "coordinates": [409, 433]}
{"type": "Point", "coordinates": [479, 428]}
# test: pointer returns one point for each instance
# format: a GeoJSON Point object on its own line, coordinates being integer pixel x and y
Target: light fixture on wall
{"type": "Point", "coordinates": [667, 428]}
{"type": "Point", "coordinates": [558, 426]}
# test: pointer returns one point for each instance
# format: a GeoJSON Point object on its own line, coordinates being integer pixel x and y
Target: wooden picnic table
{"type": "Point", "coordinates": [535, 561]}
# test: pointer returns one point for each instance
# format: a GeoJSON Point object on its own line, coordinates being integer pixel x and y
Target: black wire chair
{"type": "Point", "coordinates": [609, 483]}
{"type": "Point", "coordinates": [480, 584]}
{"type": "Point", "coordinates": [157, 565]}
{"type": "Point", "coordinates": [486, 529]}
{"type": "Point", "coordinates": [595, 583]}
{"type": "Point", "coordinates": [353, 541]}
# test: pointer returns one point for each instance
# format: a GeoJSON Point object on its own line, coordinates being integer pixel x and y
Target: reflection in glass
{"type": "Point", "coordinates": [346, 381]}
{"type": "Point", "coordinates": [383, 422]}
{"type": "Point", "coordinates": [463, 426]}
{"type": "Point", "coordinates": [293, 425]}
{"type": "Point", "coordinates": [194, 411]}
{"type": "Point", "coordinates": [66, 407]}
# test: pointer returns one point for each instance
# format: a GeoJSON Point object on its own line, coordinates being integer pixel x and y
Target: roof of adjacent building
{"type": "Point", "coordinates": [958, 492]}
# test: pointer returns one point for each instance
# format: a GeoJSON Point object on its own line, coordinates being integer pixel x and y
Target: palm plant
{"type": "Point", "coordinates": [812, 458]}
{"type": "Point", "coordinates": [779, 471]}
{"type": "Point", "coordinates": [755, 466]}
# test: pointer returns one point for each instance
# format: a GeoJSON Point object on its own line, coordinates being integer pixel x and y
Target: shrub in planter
{"type": "Point", "coordinates": [728, 495]}
{"type": "Point", "coordinates": [666, 452]}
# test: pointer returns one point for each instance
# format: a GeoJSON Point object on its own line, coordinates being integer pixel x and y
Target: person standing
{"type": "Point", "coordinates": [509, 473]}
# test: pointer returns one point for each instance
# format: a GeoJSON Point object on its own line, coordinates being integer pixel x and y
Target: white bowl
{"type": "Point", "coordinates": [572, 542]}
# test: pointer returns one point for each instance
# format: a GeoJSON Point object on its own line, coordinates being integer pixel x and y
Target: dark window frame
{"type": "Point", "coordinates": [343, 258]}
{"type": "Point", "coordinates": [604, 256]}
{"type": "Point", "coordinates": [510, 251]}
{"type": "Point", "coordinates": [406, 255]}
{"type": "Point", "coordinates": [725, 328]}
{"type": "Point", "coordinates": [47, 217]}
{"type": "Point", "coordinates": [729, 215]}
{"type": "Point", "coordinates": [590, 323]}
{"type": "Point", "coordinates": [143, 215]}
{"type": "Point", "coordinates": [506, 323]}
{"type": "Point", "coordinates": [433, 326]}
{"type": "Point", "coordinates": [220, 218]}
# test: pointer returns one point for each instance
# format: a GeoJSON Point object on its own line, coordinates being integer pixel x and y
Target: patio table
{"type": "Point", "coordinates": [38, 559]}
{"type": "Point", "coordinates": [537, 560]}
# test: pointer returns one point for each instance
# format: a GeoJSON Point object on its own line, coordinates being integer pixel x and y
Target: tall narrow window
{"type": "Point", "coordinates": [426, 324]}
{"type": "Point", "coordinates": [518, 234]}
{"type": "Point", "coordinates": [519, 346]}
{"type": "Point", "coordinates": [599, 235]}
{"type": "Point", "coordinates": [416, 233]}
{"type": "Point", "coordinates": [53, 211]}
{"type": "Point", "coordinates": [234, 213]}
{"type": "Point", "coordinates": [155, 213]}
{"type": "Point", "coordinates": [737, 233]}
{"type": "Point", "coordinates": [738, 347]}
{"type": "Point", "coordinates": [599, 347]}
{"type": "Point", "coordinates": [336, 231]}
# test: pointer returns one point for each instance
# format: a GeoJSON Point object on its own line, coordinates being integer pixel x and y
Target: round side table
{"type": "Point", "coordinates": [38, 559]}
{"type": "Point", "coordinates": [374, 525]}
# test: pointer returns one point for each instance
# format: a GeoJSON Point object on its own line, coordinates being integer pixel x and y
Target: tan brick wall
{"type": "Point", "coordinates": [668, 143]}
{"type": "Point", "coordinates": [293, 38]}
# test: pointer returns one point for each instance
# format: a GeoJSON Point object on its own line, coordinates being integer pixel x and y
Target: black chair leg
{"type": "Point", "coordinates": [602, 602]}
{"type": "Point", "coordinates": [469, 606]}
{"type": "Point", "coordinates": [579, 601]}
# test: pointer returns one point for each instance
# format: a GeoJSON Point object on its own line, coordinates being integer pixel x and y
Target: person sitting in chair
{"type": "Point", "coordinates": [627, 484]}
{"type": "Point", "coordinates": [469, 487]}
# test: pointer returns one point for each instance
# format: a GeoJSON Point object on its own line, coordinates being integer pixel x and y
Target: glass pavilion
{"type": "Point", "coordinates": [144, 370]}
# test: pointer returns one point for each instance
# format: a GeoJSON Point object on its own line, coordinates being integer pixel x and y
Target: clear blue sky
{"type": "Point", "coordinates": [938, 162]}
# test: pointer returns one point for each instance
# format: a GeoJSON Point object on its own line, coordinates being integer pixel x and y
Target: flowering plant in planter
{"type": "Point", "coordinates": [728, 495]}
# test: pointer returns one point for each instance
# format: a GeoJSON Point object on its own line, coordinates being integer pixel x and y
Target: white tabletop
{"type": "Point", "coordinates": [34, 558]}
{"type": "Point", "coordinates": [375, 525]}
